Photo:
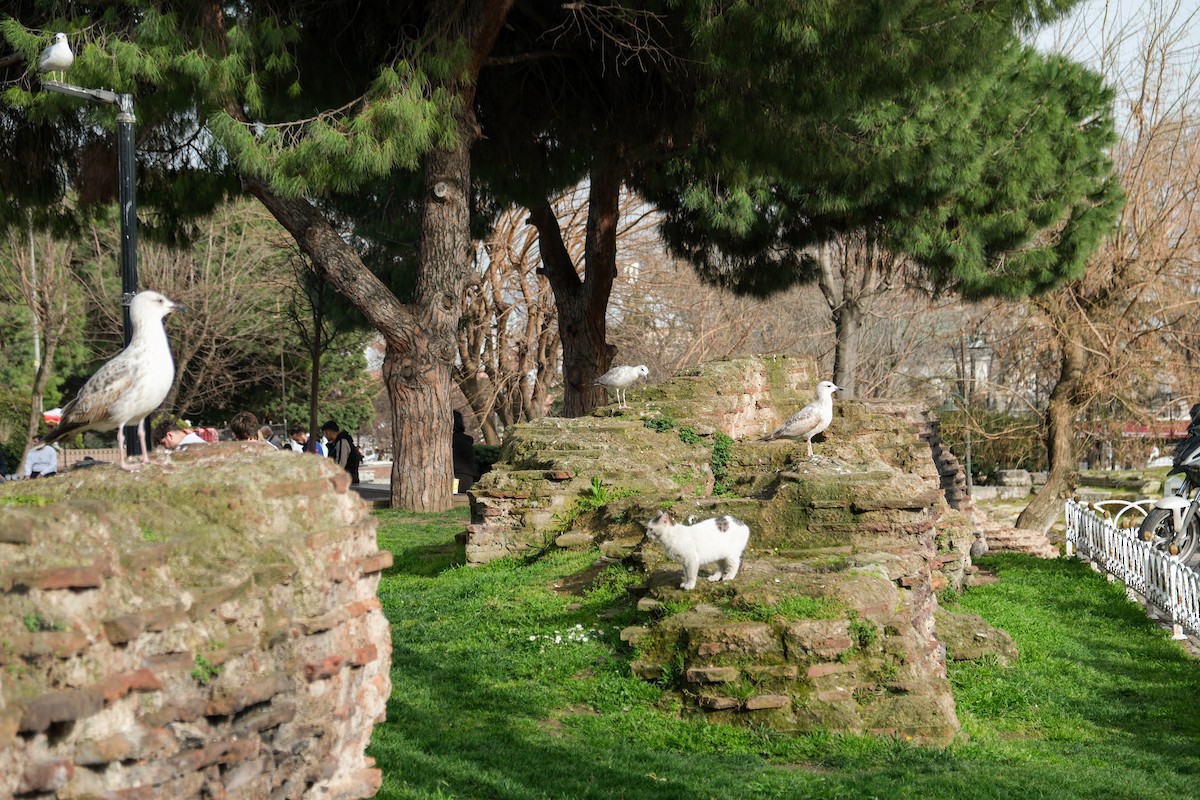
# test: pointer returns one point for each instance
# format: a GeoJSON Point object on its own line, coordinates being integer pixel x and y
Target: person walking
{"type": "Point", "coordinates": [466, 468]}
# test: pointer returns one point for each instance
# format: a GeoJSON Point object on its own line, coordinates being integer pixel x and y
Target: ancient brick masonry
{"type": "Point", "coordinates": [205, 629]}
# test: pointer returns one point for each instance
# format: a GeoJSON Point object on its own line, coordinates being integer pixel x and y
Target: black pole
{"type": "Point", "coordinates": [127, 197]}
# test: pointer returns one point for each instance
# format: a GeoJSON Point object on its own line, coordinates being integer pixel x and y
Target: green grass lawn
{"type": "Point", "coordinates": [510, 681]}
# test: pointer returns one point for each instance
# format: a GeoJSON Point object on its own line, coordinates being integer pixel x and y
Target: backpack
{"type": "Point", "coordinates": [356, 456]}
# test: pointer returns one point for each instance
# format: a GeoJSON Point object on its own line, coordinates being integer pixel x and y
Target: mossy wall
{"type": "Point", "coordinates": [831, 622]}
{"type": "Point", "coordinates": [204, 628]}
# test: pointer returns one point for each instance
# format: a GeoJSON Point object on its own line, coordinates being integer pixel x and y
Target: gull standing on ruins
{"type": "Point", "coordinates": [131, 385]}
{"type": "Point", "coordinates": [58, 56]}
{"type": "Point", "coordinates": [810, 420]}
{"type": "Point", "coordinates": [621, 378]}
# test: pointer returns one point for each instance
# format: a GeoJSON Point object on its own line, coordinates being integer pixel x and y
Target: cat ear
{"type": "Point", "coordinates": [666, 518]}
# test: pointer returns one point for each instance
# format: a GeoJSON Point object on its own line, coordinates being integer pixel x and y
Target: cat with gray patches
{"type": "Point", "coordinates": [720, 540]}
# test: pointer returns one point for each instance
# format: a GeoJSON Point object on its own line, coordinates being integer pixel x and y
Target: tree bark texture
{"type": "Point", "coordinates": [419, 339]}
{"type": "Point", "coordinates": [582, 304]}
{"type": "Point", "coordinates": [413, 361]}
{"type": "Point", "coordinates": [1063, 410]}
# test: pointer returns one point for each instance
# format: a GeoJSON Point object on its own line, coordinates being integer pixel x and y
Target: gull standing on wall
{"type": "Point", "coordinates": [57, 57]}
{"type": "Point", "coordinates": [621, 378]}
{"type": "Point", "coordinates": [810, 420]}
{"type": "Point", "coordinates": [131, 385]}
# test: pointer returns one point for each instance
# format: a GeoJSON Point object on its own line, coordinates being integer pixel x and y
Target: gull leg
{"type": "Point", "coordinates": [142, 441]}
{"type": "Point", "coordinates": [810, 450]}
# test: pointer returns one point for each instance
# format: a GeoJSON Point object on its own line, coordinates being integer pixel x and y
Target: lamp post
{"type": "Point", "coordinates": [126, 197]}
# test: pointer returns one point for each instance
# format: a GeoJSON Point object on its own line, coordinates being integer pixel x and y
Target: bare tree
{"type": "Point", "coordinates": [1107, 328]}
{"type": "Point", "coordinates": [37, 273]}
{"type": "Point", "coordinates": [228, 338]}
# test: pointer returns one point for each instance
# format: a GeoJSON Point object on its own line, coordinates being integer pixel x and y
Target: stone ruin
{"type": "Point", "coordinates": [208, 628]}
{"type": "Point", "coordinates": [831, 623]}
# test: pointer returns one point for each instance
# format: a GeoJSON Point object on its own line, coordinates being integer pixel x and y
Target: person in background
{"type": "Point", "coordinates": [41, 461]}
{"type": "Point", "coordinates": [270, 437]}
{"type": "Point", "coordinates": [466, 468]}
{"type": "Point", "coordinates": [172, 437]}
{"type": "Point", "coordinates": [245, 428]}
{"type": "Point", "coordinates": [301, 442]}
{"type": "Point", "coordinates": [342, 449]}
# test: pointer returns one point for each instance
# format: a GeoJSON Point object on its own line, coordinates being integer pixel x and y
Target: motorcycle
{"type": "Point", "coordinates": [1173, 525]}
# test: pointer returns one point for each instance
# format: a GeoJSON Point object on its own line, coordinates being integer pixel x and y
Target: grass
{"type": "Point", "coordinates": [509, 681]}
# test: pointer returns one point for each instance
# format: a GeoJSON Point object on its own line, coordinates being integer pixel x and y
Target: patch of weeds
{"type": "Point", "coordinates": [949, 596]}
{"type": "Point", "coordinates": [204, 670]}
{"type": "Point", "coordinates": [25, 500]}
{"type": "Point", "coordinates": [863, 632]}
{"type": "Point", "coordinates": [669, 608]}
{"type": "Point", "coordinates": [660, 424]}
{"type": "Point", "coordinates": [151, 535]}
{"type": "Point", "coordinates": [596, 494]}
{"type": "Point", "coordinates": [36, 623]}
{"type": "Point", "coordinates": [688, 435]}
{"type": "Point", "coordinates": [795, 607]}
{"type": "Point", "coordinates": [721, 454]}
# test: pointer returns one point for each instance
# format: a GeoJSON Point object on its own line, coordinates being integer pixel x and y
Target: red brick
{"type": "Point", "coordinates": [821, 670]}
{"type": "Point", "coordinates": [280, 712]}
{"type": "Point", "coordinates": [114, 687]}
{"type": "Point", "coordinates": [89, 577]}
{"type": "Point", "coordinates": [559, 475]}
{"type": "Point", "coordinates": [340, 482]}
{"type": "Point", "coordinates": [127, 627]}
{"type": "Point", "coordinates": [375, 563]}
{"type": "Point", "coordinates": [46, 776]}
{"type": "Point", "coordinates": [95, 752]}
{"type": "Point", "coordinates": [171, 662]}
{"type": "Point", "coordinates": [712, 674]}
{"type": "Point", "coordinates": [17, 530]}
{"type": "Point", "coordinates": [31, 646]}
{"type": "Point", "coordinates": [325, 668]}
{"type": "Point", "coordinates": [765, 701]}
{"type": "Point", "coordinates": [361, 607]}
{"type": "Point", "coordinates": [62, 706]}
{"type": "Point", "coordinates": [364, 655]}
{"type": "Point", "coordinates": [835, 696]}
{"type": "Point", "coordinates": [10, 722]}
{"type": "Point", "coordinates": [719, 703]}
{"type": "Point", "coordinates": [229, 700]}
{"type": "Point", "coordinates": [290, 489]}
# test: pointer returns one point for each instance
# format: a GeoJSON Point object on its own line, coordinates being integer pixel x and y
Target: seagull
{"type": "Point", "coordinates": [131, 385]}
{"type": "Point", "coordinates": [810, 420]}
{"type": "Point", "coordinates": [58, 56]}
{"type": "Point", "coordinates": [621, 378]}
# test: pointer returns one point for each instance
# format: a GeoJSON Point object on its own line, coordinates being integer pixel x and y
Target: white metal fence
{"type": "Point", "coordinates": [1158, 577]}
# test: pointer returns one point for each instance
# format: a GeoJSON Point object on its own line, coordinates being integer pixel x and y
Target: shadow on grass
{"type": "Point", "coordinates": [1094, 656]}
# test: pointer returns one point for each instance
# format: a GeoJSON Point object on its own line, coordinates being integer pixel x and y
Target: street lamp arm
{"type": "Point", "coordinates": [98, 95]}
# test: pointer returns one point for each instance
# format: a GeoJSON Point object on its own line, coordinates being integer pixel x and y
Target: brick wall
{"type": "Point", "coordinates": [204, 628]}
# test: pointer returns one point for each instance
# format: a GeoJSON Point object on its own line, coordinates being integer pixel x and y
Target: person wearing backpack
{"type": "Point", "coordinates": [342, 449]}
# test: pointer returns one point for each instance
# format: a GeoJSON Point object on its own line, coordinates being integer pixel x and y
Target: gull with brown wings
{"type": "Point", "coordinates": [126, 389]}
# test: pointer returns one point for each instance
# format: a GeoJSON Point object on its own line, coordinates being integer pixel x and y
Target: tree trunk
{"type": "Point", "coordinates": [582, 305]}
{"type": "Point", "coordinates": [847, 321]}
{"type": "Point", "coordinates": [419, 338]}
{"type": "Point", "coordinates": [1046, 507]}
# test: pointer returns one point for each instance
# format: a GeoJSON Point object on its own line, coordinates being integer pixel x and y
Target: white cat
{"type": "Point", "coordinates": [720, 540]}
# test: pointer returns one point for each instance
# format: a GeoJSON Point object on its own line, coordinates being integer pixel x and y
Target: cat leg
{"type": "Point", "coordinates": [731, 567]}
{"type": "Point", "coordinates": [718, 572]}
{"type": "Point", "coordinates": [690, 569]}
